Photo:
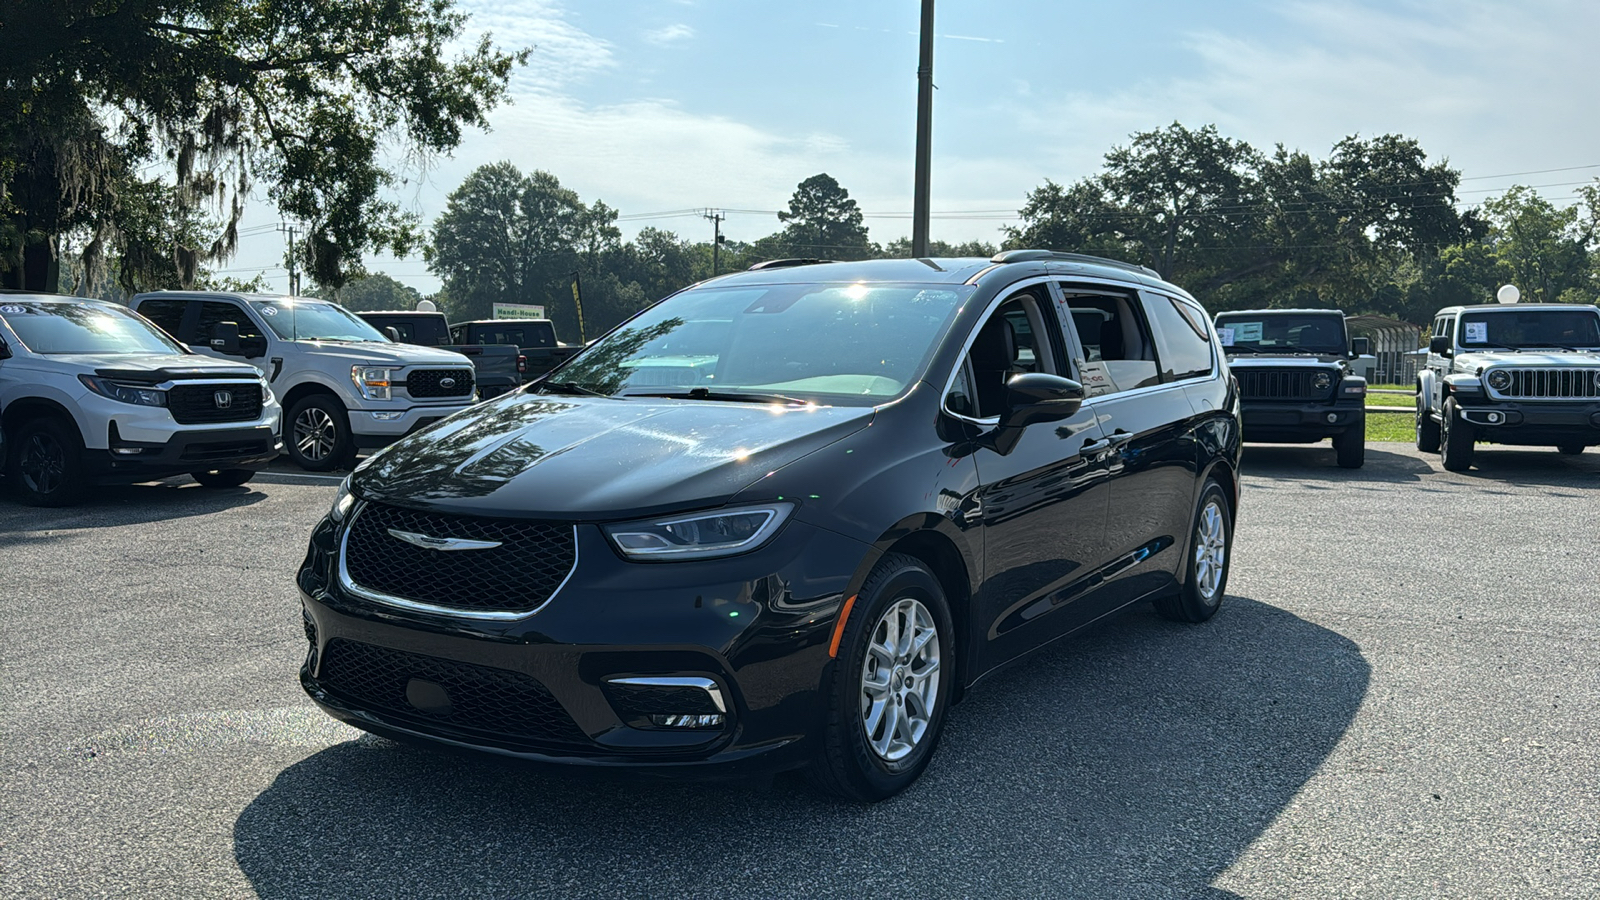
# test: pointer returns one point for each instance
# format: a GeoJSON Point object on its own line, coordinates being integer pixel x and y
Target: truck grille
{"type": "Point", "coordinates": [432, 383]}
{"type": "Point", "coordinates": [1552, 384]}
{"type": "Point", "coordinates": [202, 404]}
{"type": "Point", "coordinates": [1282, 385]}
{"type": "Point", "coordinates": [495, 702]}
{"type": "Point", "coordinates": [518, 576]}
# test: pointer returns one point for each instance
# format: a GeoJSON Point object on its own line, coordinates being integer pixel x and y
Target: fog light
{"type": "Point", "coordinates": [127, 451]}
{"type": "Point", "coordinates": [675, 721]}
{"type": "Point", "coordinates": [387, 416]}
{"type": "Point", "coordinates": [1494, 418]}
{"type": "Point", "coordinates": [1333, 417]}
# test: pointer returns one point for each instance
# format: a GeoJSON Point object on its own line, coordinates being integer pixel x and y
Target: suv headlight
{"type": "Point", "coordinates": [1499, 379]}
{"type": "Point", "coordinates": [700, 535]}
{"type": "Point", "coordinates": [342, 502]}
{"type": "Point", "coordinates": [123, 393]}
{"type": "Point", "coordinates": [372, 381]}
{"type": "Point", "coordinates": [1322, 381]}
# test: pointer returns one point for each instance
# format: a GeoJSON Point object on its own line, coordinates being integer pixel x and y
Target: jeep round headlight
{"type": "Point", "coordinates": [1499, 379]}
{"type": "Point", "coordinates": [1597, 379]}
{"type": "Point", "coordinates": [1322, 381]}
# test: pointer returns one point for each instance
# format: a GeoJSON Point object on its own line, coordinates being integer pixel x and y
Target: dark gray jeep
{"type": "Point", "coordinates": [1295, 381]}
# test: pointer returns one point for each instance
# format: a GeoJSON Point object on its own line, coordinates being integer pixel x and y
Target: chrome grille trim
{"type": "Point", "coordinates": [1541, 383]}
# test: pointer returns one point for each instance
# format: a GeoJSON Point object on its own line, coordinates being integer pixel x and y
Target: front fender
{"type": "Point", "coordinates": [1427, 388]}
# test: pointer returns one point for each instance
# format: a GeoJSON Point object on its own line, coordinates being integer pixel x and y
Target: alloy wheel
{"type": "Point", "coordinates": [900, 679]}
{"type": "Point", "coordinates": [314, 434]}
{"type": "Point", "coordinates": [43, 464]}
{"type": "Point", "coordinates": [1210, 551]}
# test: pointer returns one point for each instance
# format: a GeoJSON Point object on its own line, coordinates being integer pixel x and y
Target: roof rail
{"type": "Point", "coordinates": [787, 263]}
{"type": "Point", "coordinates": [1011, 256]}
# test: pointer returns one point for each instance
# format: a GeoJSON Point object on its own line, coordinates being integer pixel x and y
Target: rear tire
{"type": "Point", "coordinates": [45, 462]}
{"type": "Point", "coordinates": [223, 478]}
{"type": "Point", "coordinates": [890, 685]}
{"type": "Point", "coordinates": [1350, 447]}
{"type": "Point", "coordinates": [1455, 439]}
{"type": "Point", "coordinates": [1427, 429]}
{"type": "Point", "coordinates": [316, 433]}
{"type": "Point", "coordinates": [1571, 448]}
{"type": "Point", "coordinates": [1205, 580]}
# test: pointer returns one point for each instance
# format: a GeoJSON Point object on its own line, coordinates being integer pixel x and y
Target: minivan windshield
{"type": "Point", "coordinates": [844, 344]}
{"type": "Point", "coordinates": [87, 327]}
{"type": "Point", "coordinates": [294, 319]}
{"type": "Point", "coordinates": [1321, 333]}
{"type": "Point", "coordinates": [1526, 329]}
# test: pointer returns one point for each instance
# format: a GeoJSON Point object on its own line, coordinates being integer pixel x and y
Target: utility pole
{"type": "Point", "coordinates": [716, 217]}
{"type": "Point", "coordinates": [920, 207]}
{"type": "Point", "coordinates": [294, 273]}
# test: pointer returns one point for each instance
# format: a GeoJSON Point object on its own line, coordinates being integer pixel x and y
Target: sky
{"type": "Point", "coordinates": [668, 107]}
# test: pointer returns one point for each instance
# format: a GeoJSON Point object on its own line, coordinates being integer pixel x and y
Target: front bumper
{"type": "Point", "coordinates": [195, 450]}
{"type": "Point", "coordinates": [381, 427]}
{"type": "Point", "coordinates": [1299, 423]}
{"type": "Point", "coordinates": [1536, 424]}
{"type": "Point", "coordinates": [544, 687]}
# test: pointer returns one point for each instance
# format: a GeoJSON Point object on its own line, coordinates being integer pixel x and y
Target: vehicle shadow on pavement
{"type": "Point", "coordinates": [1315, 463]}
{"type": "Point", "coordinates": [135, 504]}
{"type": "Point", "coordinates": [1139, 760]}
{"type": "Point", "coordinates": [1537, 466]}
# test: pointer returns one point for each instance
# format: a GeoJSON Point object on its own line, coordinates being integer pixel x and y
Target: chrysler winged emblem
{"type": "Point", "coordinates": [439, 543]}
{"type": "Point", "coordinates": [224, 399]}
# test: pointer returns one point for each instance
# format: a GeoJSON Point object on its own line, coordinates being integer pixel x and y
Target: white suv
{"type": "Point", "coordinates": [343, 384]}
{"type": "Point", "coordinates": [92, 393]}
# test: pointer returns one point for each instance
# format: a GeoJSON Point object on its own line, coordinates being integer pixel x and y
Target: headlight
{"type": "Point", "coordinates": [372, 382]}
{"type": "Point", "coordinates": [342, 501]}
{"type": "Point", "coordinates": [700, 535]}
{"type": "Point", "coordinates": [1597, 379]}
{"type": "Point", "coordinates": [1322, 381]}
{"type": "Point", "coordinates": [140, 396]}
{"type": "Point", "coordinates": [266, 392]}
{"type": "Point", "coordinates": [1499, 379]}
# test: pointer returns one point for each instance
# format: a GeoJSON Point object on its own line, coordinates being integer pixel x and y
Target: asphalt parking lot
{"type": "Point", "coordinates": [1400, 698]}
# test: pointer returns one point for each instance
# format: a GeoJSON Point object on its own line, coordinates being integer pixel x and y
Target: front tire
{"type": "Point", "coordinates": [1455, 440]}
{"type": "Point", "coordinates": [317, 433]}
{"type": "Point", "coordinates": [1210, 552]}
{"type": "Point", "coordinates": [1427, 428]}
{"type": "Point", "coordinates": [890, 684]}
{"type": "Point", "coordinates": [223, 478]}
{"type": "Point", "coordinates": [1570, 448]}
{"type": "Point", "coordinates": [45, 463]}
{"type": "Point", "coordinates": [1350, 447]}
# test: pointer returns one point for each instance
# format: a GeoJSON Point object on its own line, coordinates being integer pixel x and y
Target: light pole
{"type": "Point", "coordinates": [919, 211]}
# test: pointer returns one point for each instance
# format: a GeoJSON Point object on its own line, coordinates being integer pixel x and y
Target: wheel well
{"type": "Point", "coordinates": [943, 558]}
{"type": "Point", "coordinates": [1225, 476]}
{"type": "Point", "coordinates": [28, 408]}
{"type": "Point", "coordinates": [301, 391]}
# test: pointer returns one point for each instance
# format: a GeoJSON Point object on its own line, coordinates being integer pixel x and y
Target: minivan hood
{"type": "Point", "coordinates": [597, 459]}
{"type": "Point", "coordinates": [384, 354]}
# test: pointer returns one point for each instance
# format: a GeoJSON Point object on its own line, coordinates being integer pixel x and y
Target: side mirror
{"type": "Point", "coordinates": [392, 333]}
{"type": "Point", "coordinates": [1361, 346]}
{"type": "Point", "coordinates": [1033, 398]}
{"type": "Point", "coordinates": [1440, 344]}
{"type": "Point", "coordinates": [225, 338]}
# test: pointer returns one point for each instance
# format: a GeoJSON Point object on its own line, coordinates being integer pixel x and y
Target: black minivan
{"type": "Point", "coordinates": [783, 518]}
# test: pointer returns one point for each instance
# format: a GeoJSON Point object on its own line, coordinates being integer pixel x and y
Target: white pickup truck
{"type": "Point", "coordinates": [91, 393]}
{"type": "Point", "coordinates": [343, 384]}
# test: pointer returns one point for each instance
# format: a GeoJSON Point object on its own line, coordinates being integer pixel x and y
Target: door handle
{"type": "Point", "coordinates": [1120, 437]}
{"type": "Point", "coordinates": [1092, 447]}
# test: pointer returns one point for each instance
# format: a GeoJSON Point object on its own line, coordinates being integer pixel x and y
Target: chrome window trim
{"type": "Point", "coordinates": [684, 681]}
{"type": "Point", "coordinates": [349, 584]}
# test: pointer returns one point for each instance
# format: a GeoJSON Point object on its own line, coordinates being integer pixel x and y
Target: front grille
{"type": "Point", "coordinates": [490, 701]}
{"type": "Point", "coordinates": [201, 404]}
{"type": "Point", "coordinates": [1552, 384]}
{"type": "Point", "coordinates": [641, 701]}
{"type": "Point", "coordinates": [431, 383]}
{"type": "Point", "coordinates": [518, 576]}
{"type": "Point", "coordinates": [1282, 384]}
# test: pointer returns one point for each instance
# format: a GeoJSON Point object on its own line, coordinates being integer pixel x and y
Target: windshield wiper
{"type": "Point", "coordinates": [1552, 347]}
{"type": "Point", "coordinates": [570, 388]}
{"type": "Point", "coordinates": [701, 393]}
{"type": "Point", "coordinates": [1239, 348]}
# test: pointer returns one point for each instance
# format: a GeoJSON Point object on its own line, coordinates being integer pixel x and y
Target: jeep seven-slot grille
{"type": "Point", "coordinates": [439, 383]}
{"type": "Point", "coordinates": [496, 702]}
{"type": "Point", "coordinates": [1282, 384]}
{"type": "Point", "coordinates": [1552, 384]}
{"type": "Point", "coordinates": [531, 560]}
{"type": "Point", "coordinates": [202, 404]}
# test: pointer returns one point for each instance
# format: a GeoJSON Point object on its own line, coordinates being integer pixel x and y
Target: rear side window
{"type": "Point", "coordinates": [213, 313]}
{"type": "Point", "coordinates": [1118, 352]}
{"type": "Point", "coordinates": [1181, 338]}
{"type": "Point", "coordinates": [167, 314]}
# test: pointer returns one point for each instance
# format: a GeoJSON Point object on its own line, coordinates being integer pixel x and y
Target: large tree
{"type": "Point", "coordinates": [821, 222]}
{"type": "Point", "coordinates": [137, 128]}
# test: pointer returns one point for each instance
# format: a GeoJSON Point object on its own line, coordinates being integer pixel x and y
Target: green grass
{"type": "Point", "coordinates": [1408, 388]}
{"type": "Point", "coordinates": [1407, 401]}
{"type": "Point", "coordinates": [1392, 426]}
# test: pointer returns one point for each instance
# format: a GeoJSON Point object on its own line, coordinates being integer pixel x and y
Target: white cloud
{"type": "Point", "coordinates": [672, 34]}
{"type": "Point", "coordinates": [563, 53]}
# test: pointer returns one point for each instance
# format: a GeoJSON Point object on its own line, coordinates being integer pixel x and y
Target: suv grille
{"type": "Point", "coordinates": [518, 576]}
{"type": "Point", "coordinates": [495, 702]}
{"type": "Point", "coordinates": [431, 383]}
{"type": "Point", "coordinates": [1282, 385]}
{"type": "Point", "coordinates": [200, 404]}
{"type": "Point", "coordinates": [1552, 384]}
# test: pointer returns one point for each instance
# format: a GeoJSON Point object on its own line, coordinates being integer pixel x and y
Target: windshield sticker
{"type": "Point", "coordinates": [269, 310]}
{"type": "Point", "coordinates": [1248, 331]}
{"type": "Point", "coordinates": [1477, 332]}
{"type": "Point", "coordinates": [1225, 335]}
{"type": "Point", "coordinates": [14, 310]}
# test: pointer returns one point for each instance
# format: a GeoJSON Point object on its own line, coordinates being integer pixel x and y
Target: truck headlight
{"type": "Point", "coordinates": [1322, 381]}
{"type": "Point", "coordinates": [124, 393]}
{"type": "Point", "coordinates": [700, 535]}
{"type": "Point", "coordinates": [372, 381]}
{"type": "Point", "coordinates": [1499, 379]}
